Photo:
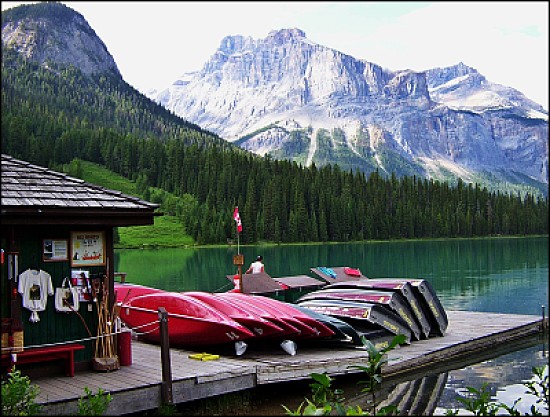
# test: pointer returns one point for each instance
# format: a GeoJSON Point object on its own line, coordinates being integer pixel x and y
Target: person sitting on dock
{"type": "Point", "coordinates": [257, 266]}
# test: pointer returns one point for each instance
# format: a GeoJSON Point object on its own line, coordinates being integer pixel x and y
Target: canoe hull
{"type": "Point", "coordinates": [260, 326]}
{"type": "Point", "coordinates": [390, 299]}
{"type": "Point", "coordinates": [375, 315]}
{"type": "Point", "coordinates": [190, 321]}
{"type": "Point", "coordinates": [402, 287]}
{"type": "Point", "coordinates": [266, 305]}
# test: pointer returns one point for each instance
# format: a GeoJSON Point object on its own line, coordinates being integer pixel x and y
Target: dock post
{"type": "Point", "coordinates": [165, 357]}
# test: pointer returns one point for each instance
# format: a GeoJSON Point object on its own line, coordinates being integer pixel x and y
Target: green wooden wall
{"type": "Point", "coordinates": [54, 326]}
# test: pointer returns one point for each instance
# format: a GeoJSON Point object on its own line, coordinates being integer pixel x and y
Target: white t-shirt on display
{"type": "Point", "coordinates": [35, 287]}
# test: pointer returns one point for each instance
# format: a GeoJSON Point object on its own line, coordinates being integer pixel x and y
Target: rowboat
{"type": "Point", "coordinates": [258, 321]}
{"type": "Point", "coordinates": [192, 323]}
{"type": "Point", "coordinates": [290, 331]}
{"type": "Point", "coordinates": [374, 315]}
{"type": "Point", "coordinates": [390, 299]}
{"type": "Point", "coordinates": [429, 301]}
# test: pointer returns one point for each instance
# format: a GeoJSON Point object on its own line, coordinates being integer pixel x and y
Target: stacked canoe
{"type": "Point", "coordinates": [407, 306]}
{"type": "Point", "coordinates": [344, 309]}
{"type": "Point", "coordinates": [199, 319]}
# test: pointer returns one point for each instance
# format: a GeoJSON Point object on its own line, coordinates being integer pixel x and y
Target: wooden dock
{"type": "Point", "coordinates": [137, 388]}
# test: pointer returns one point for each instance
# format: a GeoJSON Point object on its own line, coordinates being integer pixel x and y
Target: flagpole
{"type": "Point", "coordinates": [238, 259]}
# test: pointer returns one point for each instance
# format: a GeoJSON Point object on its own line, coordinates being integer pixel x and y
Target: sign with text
{"type": "Point", "coordinates": [87, 248]}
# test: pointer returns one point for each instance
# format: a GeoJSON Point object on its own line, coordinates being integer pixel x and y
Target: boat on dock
{"type": "Point", "coordinates": [193, 323]}
{"type": "Point", "coordinates": [125, 291]}
{"type": "Point", "coordinates": [264, 305]}
{"type": "Point", "coordinates": [260, 326]}
{"type": "Point", "coordinates": [372, 316]}
{"type": "Point", "coordinates": [390, 299]}
{"type": "Point", "coordinates": [402, 287]}
{"type": "Point", "coordinates": [343, 332]}
{"type": "Point", "coordinates": [321, 330]}
{"type": "Point", "coordinates": [429, 301]}
{"type": "Point", "coordinates": [421, 296]}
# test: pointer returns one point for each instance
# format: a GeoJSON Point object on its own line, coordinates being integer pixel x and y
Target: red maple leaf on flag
{"type": "Point", "coordinates": [237, 218]}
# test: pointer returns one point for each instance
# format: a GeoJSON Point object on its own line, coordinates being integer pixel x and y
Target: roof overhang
{"type": "Point", "coordinates": [17, 215]}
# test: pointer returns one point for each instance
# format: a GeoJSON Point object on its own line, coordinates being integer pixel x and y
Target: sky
{"type": "Point", "coordinates": [154, 43]}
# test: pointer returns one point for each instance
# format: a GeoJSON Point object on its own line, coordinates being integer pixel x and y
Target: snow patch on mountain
{"type": "Point", "coordinates": [267, 93]}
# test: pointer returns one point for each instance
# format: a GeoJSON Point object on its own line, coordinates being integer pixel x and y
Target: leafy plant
{"type": "Point", "coordinates": [19, 395]}
{"type": "Point", "coordinates": [321, 390]}
{"type": "Point", "coordinates": [325, 399]}
{"type": "Point", "coordinates": [540, 387]}
{"type": "Point", "coordinates": [478, 403]}
{"type": "Point", "coordinates": [93, 404]}
{"type": "Point", "coordinates": [373, 370]}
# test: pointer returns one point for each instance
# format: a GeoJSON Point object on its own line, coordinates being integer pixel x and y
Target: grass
{"type": "Point", "coordinates": [167, 230]}
{"type": "Point", "coordinates": [96, 174]}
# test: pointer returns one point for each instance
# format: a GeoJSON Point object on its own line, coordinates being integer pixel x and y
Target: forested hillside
{"type": "Point", "coordinates": [52, 115]}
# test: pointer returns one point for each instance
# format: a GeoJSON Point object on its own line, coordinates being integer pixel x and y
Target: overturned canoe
{"type": "Point", "coordinates": [390, 299]}
{"type": "Point", "coordinates": [375, 315]}
{"type": "Point", "coordinates": [308, 327]}
{"type": "Point", "coordinates": [430, 302]}
{"type": "Point", "coordinates": [402, 287]}
{"type": "Point", "coordinates": [260, 326]}
{"type": "Point", "coordinates": [191, 322]}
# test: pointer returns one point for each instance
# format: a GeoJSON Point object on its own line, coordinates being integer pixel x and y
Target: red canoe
{"type": "Point", "coordinates": [191, 322]}
{"type": "Point", "coordinates": [321, 330]}
{"type": "Point", "coordinates": [279, 310]}
{"type": "Point", "coordinates": [126, 291]}
{"type": "Point", "coordinates": [290, 331]}
{"type": "Point", "coordinates": [260, 326]}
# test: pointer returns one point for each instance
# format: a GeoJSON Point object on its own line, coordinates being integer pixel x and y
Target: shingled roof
{"type": "Point", "coordinates": [32, 194]}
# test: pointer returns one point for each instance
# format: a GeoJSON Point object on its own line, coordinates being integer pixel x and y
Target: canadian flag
{"type": "Point", "coordinates": [237, 218]}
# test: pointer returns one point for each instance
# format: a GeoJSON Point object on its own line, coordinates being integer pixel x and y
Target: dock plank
{"type": "Point", "coordinates": [137, 387]}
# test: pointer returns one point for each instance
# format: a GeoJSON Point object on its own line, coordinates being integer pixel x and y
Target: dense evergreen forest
{"type": "Point", "coordinates": [53, 117]}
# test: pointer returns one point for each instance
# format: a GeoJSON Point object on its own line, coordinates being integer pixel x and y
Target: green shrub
{"type": "Point", "coordinates": [93, 404]}
{"type": "Point", "coordinates": [19, 395]}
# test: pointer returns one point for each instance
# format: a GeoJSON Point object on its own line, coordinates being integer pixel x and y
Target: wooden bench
{"type": "Point", "coordinates": [41, 354]}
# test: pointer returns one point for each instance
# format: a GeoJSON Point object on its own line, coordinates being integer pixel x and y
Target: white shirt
{"type": "Point", "coordinates": [35, 286]}
{"type": "Point", "coordinates": [256, 267]}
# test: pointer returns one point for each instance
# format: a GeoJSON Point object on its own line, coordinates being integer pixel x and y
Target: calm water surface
{"type": "Point", "coordinates": [501, 275]}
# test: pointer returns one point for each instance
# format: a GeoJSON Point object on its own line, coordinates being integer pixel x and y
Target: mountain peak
{"type": "Point", "coordinates": [293, 99]}
{"type": "Point", "coordinates": [285, 35]}
{"type": "Point", "coordinates": [51, 31]}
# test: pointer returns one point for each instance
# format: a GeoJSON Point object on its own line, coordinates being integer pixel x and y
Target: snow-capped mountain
{"type": "Point", "coordinates": [291, 98]}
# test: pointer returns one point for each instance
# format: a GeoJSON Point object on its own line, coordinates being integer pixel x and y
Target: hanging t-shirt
{"type": "Point", "coordinates": [35, 287]}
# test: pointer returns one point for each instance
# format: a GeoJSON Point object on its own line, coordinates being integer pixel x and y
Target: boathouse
{"type": "Point", "coordinates": [57, 232]}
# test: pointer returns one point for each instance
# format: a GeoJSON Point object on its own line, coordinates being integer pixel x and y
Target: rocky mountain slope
{"type": "Point", "coordinates": [291, 98]}
{"type": "Point", "coordinates": [54, 32]}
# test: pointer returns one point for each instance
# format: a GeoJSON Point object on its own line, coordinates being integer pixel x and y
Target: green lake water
{"type": "Point", "coordinates": [501, 275]}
